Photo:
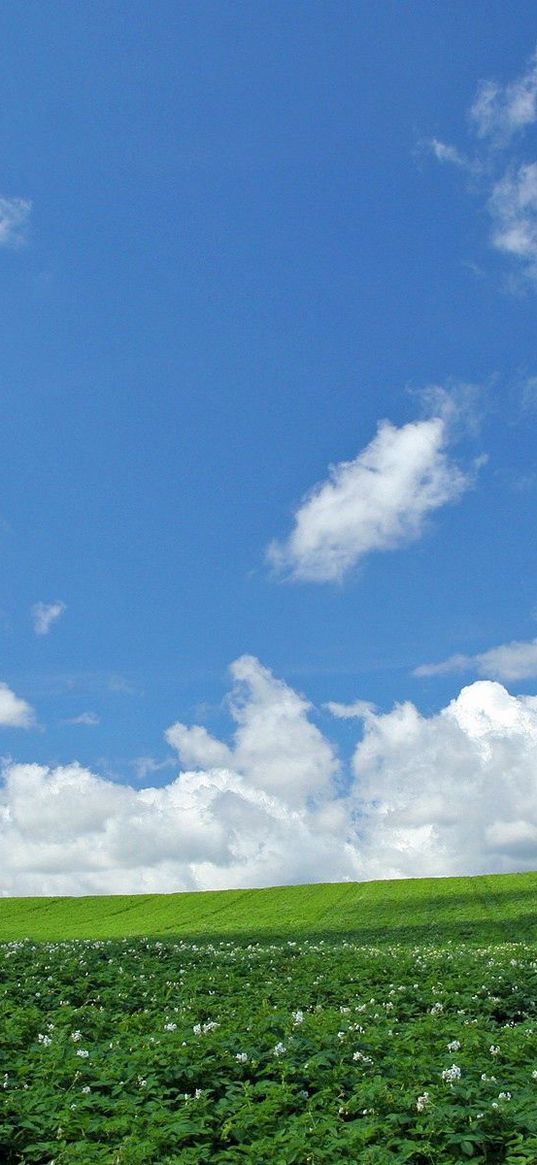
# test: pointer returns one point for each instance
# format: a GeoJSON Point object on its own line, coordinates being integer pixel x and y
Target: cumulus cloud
{"type": "Point", "coordinates": [451, 793]}
{"type": "Point", "coordinates": [379, 501]}
{"type": "Point", "coordinates": [498, 117]}
{"type": "Point", "coordinates": [275, 744]}
{"type": "Point", "coordinates": [14, 712]}
{"type": "Point", "coordinates": [509, 661]}
{"type": "Point", "coordinates": [44, 615]}
{"type": "Point", "coordinates": [14, 216]}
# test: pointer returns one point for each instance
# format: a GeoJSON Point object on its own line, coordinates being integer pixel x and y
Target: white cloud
{"type": "Point", "coordinates": [379, 501]}
{"type": "Point", "coordinates": [452, 793]}
{"type": "Point", "coordinates": [509, 661]}
{"type": "Point", "coordinates": [91, 719]}
{"type": "Point", "coordinates": [356, 711]}
{"type": "Point", "coordinates": [276, 747]}
{"type": "Point", "coordinates": [513, 206]}
{"type": "Point", "coordinates": [498, 115]}
{"type": "Point", "coordinates": [450, 154]}
{"type": "Point", "coordinates": [500, 111]}
{"type": "Point", "coordinates": [45, 614]}
{"type": "Point", "coordinates": [196, 747]}
{"type": "Point", "coordinates": [14, 216]}
{"type": "Point", "coordinates": [145, 766]}
{"type": "Point", "coordinates": [14, 712]}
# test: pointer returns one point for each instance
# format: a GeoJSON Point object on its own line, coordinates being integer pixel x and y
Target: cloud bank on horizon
{"type": "Point", "coordinates": [451, 793]}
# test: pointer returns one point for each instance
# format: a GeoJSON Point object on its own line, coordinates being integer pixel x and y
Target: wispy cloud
{"type": "Point", "coordinates": [528, 394]}
{"type": "Point", "coordinates": [450, 154]}
{"type": "Point", "coordinates": [147, 766]}
{"type": "Point", "coordinates": [379, 501]}
{"type": "Point", "coordinates": [14, 712]}
{"type": "Point", "coordinates": [501, 111]}
{"type": "Point", "coordinates": [122, 686]}
{"type": "Point", "coordinates": [90, 719]}
{"type": "Point", "coordinates": [14, 217]}
{"type": "Point", "coordinates": [509, 661]}
{"type": "Point", "coordinates": [498, 119]}
{"type": "Point", "coordinates": [513, 208]}
{"type": "Point", "coordinates": [358, 710]}
{"type": "Point", "coordinates": [44, 615]}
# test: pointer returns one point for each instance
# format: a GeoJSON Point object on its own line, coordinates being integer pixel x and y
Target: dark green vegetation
{"type": "Point", "coordinates": [490, 908]}
{"type": "Point", "coordinates": [300, 1053]}
{"type": "Point", "coordinates": [373, 1023]}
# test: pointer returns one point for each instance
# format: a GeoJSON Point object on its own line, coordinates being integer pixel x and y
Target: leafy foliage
{"type": "Point", "coordinates": [306, 1052]}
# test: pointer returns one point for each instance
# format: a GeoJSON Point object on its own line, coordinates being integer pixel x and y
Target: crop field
{"type": "Point", "coordinates": [490, 908]}
{"type": "Point", "coordinates": [306, 1052]}
{"type": "Point", "coordinates": [371, 1024]}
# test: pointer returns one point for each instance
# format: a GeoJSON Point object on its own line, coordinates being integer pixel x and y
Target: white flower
{"type": "Point", "coordinates": [422, 1102]}
{"type": "Point", "coordinates": [198, 1093]}
{"type": "Point", "coordinates": [197, 1029]}
{"type": "Point", "coordinates": [170, 1027]}
{"type": "Point", "coordinates": [494, 1049]}
{"type": "Point", "coordinates": [280, 1049]}
{"type": "Point", "coordinates": [451, 1074]}
{"type": "Point", "coordinates": [504, 1096]}
{"type": "Point", "coordinates": [82, 1053]}
{"type": "Point", "coordinates": [363, 1059]}
{"type": "Point", "coordinates": [436, 1009]}
{"type": "Point", "coordinates": [298, 1017]}
{"type": "Point", "coordinates": [454, 1046]}
{"type": "Point", "coordinates": [45, 1040]}
{"type": "Point", "coordinates": [86, 1089]}
{"type": "Point", "coordinates": [76, 1036]}
{"type": "Point", "coordinates": [241, 1058]}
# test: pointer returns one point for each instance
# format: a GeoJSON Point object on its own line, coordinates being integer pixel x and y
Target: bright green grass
{"type": "Point", "coordinates": [483, 909]}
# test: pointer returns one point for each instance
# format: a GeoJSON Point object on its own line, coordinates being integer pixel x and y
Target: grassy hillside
{"type": "Point", "coordinates": [482, 909]}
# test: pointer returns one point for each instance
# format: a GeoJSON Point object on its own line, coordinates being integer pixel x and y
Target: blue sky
{"type": "Point", "coordinates": [269, 402]}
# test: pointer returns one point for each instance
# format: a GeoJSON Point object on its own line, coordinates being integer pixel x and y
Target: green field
{"type": "Point", "coordinates": [492, 908]}
{"type": "Point", "coordinates": [383, 1022]}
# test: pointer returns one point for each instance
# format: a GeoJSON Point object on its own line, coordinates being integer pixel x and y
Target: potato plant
{"type": "Point", "coordinates": [311, 1052]}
